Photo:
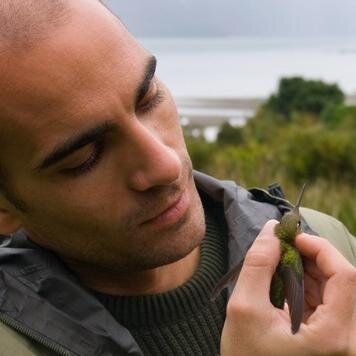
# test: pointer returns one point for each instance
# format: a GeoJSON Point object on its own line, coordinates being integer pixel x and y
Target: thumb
{"type": "Point", "coordinates": [253, 284]}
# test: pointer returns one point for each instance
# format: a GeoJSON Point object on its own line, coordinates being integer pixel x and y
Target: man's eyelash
{"type": "Point", "coordinates": [153, 103]}
{"type": "Point", "coordinates": [90, 163]}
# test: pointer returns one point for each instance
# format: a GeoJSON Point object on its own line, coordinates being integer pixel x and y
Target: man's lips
{"type": "Point", "coordinates": [171, 214]}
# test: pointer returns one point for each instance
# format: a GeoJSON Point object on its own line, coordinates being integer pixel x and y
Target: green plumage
{"type": "Point", "coordinates": [277, 295]}
{"type": "Point", "coordinates": [287, 282]}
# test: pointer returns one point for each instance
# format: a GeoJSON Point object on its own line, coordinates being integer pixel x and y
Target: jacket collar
{"type": "Point", "coordinates": [40, 293]}
{"type": "Point", "coordinates": [244, 215]}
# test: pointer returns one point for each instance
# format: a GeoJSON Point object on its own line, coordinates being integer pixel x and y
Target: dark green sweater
{"type": "Point", "coordinates": [182, 321]}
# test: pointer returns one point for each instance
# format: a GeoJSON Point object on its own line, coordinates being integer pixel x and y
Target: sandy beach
{"type": "Point", "coordinates": [213, 111]}
{"type": "Point", "coordinates": [210, 111]}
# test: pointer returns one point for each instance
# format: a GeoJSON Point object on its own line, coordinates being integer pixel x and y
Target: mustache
{"type": "Point", "coordinates": [157, 197]}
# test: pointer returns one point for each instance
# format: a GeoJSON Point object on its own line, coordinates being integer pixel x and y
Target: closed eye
{"type": "Point", "coordinates": [152, 99]}
{"type": "Point", "coordinates": [90, 163]}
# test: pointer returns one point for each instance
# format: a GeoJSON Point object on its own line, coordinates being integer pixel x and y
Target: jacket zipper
{"type": "Point", "coordinates": [52, 346]}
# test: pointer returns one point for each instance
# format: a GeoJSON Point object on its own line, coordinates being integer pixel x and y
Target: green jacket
{"type": "Point", "coordinates": [40, 298]}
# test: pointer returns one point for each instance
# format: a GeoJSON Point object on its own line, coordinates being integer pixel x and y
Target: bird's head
{"type": "Point", "coordinates": [290, 222]}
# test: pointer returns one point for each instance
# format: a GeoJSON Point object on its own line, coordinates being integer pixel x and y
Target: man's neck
{"type": "Point", "coordinates": [154, 281]}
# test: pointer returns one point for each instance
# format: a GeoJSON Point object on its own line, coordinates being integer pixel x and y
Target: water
{"type": "Point", "coordinates": [247, 68]}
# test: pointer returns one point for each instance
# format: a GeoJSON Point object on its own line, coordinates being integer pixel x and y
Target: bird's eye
{"type": "Point", "coordinates": [299, 223]}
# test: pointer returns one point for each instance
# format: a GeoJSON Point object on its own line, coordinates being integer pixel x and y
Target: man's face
{"type": "Point", "coordinates": [93, 145]}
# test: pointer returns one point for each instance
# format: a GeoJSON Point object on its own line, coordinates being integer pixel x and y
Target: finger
{"type": "Point", "coordinates": [261, 260]}
{"type": "Point", "coordinates": [339, 289]}
{"type": "Point", "coordinates": [313, 291]}
{"type": "Point", "coordinates": [327, 258]}
{"type": "Point", "coordinates": [312, 269]}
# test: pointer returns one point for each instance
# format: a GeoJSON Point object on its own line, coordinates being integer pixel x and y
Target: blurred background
{"type": "Point", "coordinates": [266, 90]}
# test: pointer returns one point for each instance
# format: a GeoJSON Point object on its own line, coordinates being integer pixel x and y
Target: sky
{"type": "Point", "coordinates": [237, 18]}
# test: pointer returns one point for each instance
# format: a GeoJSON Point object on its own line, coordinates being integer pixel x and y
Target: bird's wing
{"type": "Point", "coordinates": [294, 292]}
{"type": "Point", "coordinates": [225, 280]}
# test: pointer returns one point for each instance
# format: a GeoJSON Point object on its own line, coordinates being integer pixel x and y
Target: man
{"type": "Point", "coordinates": [111, 251]}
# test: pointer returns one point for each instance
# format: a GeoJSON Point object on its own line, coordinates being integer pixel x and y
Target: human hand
{"type": "Point", "coordinates": [253, 326]}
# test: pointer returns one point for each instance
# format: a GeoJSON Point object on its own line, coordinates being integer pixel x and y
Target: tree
{"type": "Point", "coordinates": [307, 96]}
{"type": "Point", "coordinates": [229, 135]}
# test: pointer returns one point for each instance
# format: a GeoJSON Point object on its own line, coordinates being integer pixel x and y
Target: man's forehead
{"type": "Point", "coordinates": [92, 37]}
{"type": "Point", "coordinates": [89, 37]}
{"type": "Point", "coordinates": [25, 22]}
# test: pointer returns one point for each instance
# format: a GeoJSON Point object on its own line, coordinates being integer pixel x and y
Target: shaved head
{"type": "Point", "coordinates": [25, 22]}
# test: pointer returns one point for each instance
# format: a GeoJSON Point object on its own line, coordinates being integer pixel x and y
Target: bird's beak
{"type": "Point", "coordinates": [297, 205]}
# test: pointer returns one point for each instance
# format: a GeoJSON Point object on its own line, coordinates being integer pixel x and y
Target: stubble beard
{"type": "Point", "coordinates": [173, 244]}
{"type": "Point", "coordinates": [145, 250]}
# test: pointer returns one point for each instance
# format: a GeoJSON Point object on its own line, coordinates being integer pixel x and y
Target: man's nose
{"type": "Point", "coordinates": [153, 162]}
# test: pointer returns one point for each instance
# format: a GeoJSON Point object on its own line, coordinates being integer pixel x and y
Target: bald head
{"type": "Point", "coordinates": [24, 22]}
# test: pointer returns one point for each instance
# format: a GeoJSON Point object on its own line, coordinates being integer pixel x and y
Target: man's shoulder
{"type": "Point", "coordinates": [333, 230]}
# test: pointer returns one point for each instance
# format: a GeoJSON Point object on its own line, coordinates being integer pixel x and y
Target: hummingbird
{"type": "Point", "coordinates": [288, 280]}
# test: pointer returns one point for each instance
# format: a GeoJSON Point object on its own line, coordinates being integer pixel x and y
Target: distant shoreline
{"type": "Point", "coordinates": [234, 101]}
{"type": "Point", "coordinates": [213, 111]}
{"type": "Point", "coordinates": [208, 111]}
{"type": "Point", "coordinates": [231, 102]}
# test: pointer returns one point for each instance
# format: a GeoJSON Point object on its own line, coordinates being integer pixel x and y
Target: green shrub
{"type": "Point", "coordinates": [263, 127]}
{"type": "Point", "coordinates": [300, 95]}
{"type": "Point", "coordinates": [245, 164]}
{"type": "Point", "coordinates": [200, 152]}
{"type": "Point", "coordinates": [316, 152]}
{"type": "Point", "coordinates": [229, 135]}
{"type": "Point", "coordinates": [341, 116]}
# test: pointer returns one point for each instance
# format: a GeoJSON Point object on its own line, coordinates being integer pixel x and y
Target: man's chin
{"type": "Point", "coordinates": [163, 260]}
{"type": "Point", "coordinates": [176, 243]}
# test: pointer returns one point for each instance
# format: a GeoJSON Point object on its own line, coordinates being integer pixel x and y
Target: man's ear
{"type": "Point", "coordinates": [9, 222]}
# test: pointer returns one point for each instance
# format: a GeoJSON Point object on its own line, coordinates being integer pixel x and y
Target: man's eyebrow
{"type": "Point", "coordinates": [75, 143]}
{"type": "Point", "coordinates": [72, 144]}
{"type": "Point", "coordinates": [147, 77]}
